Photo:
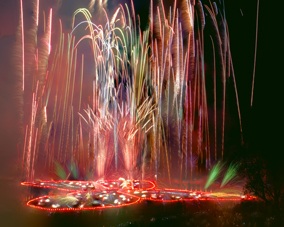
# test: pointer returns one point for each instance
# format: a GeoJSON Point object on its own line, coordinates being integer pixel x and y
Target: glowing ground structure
{"type": "Point", "coordinates": [105, 194]}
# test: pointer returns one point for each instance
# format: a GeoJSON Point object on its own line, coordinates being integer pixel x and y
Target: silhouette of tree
{"type": "Point", "coordinates": [264, 177]}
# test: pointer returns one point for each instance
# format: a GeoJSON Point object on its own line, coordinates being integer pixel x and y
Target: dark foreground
{"type": "Point", "coordinates": [155, 214]}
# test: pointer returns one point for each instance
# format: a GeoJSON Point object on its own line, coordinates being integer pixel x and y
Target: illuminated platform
{"type": "Point", "coordinates": [105, 194]}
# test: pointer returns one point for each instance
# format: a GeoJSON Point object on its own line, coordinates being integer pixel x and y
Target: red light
{"type": "Point", "coordinates": [77, 209]}
{"type": "Point", "coordinates": [194, 195]}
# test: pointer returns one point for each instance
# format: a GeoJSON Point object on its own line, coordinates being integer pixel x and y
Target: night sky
{"type": "Point", "coordinates": [262, 124]}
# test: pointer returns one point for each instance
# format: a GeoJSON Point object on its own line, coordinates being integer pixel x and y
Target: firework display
{"type": "Point", "coordinates": [110, 99]}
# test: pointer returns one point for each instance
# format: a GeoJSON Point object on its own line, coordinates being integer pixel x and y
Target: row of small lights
{"type": "Point", "coordinates": [122, 205]}
{"type": "Point", "coordinates": [43, 184]}
{"type": "Point", "coordinates": [77, 209]}
{"type": "Point", "coordinates": [153, 197]}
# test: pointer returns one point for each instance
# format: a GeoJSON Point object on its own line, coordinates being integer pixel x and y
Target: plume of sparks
{"type": "Point", "coordinates": [214, 174]}
{"type": "Point", "coordinates": [145, 83]}
{"type": "Point", "coordinates": [230, 175]}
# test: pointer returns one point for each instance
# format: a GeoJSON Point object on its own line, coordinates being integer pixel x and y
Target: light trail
{"type": "Point", "coordinates": [23, 44]}
{"type": "Point", "coordinates": [50, 31]}
{"type": "Point", "coordinates": [255, 51]}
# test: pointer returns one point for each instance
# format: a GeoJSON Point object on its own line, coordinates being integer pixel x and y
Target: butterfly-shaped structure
{"type": "Point", "coordinates": [105, 194]}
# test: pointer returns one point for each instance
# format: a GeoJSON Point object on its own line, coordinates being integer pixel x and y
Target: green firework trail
{"type": "Point", "coordinates": [214, 174]}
